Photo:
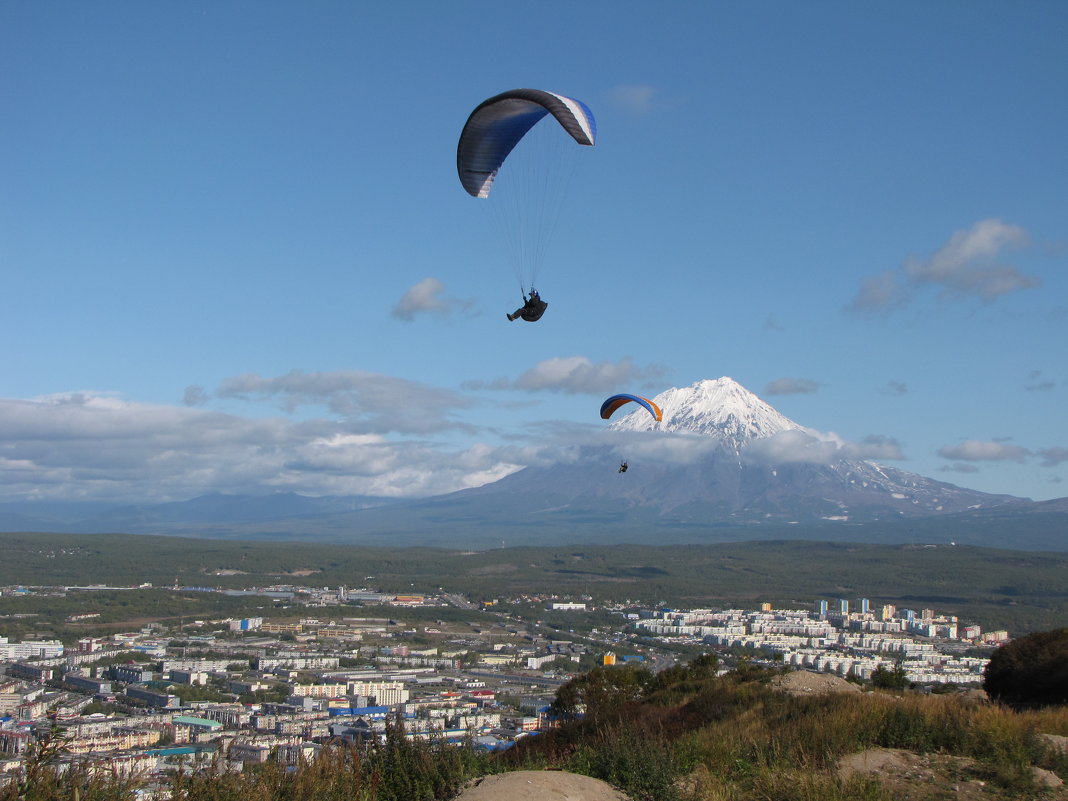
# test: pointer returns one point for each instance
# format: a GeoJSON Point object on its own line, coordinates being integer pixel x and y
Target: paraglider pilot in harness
{"type": "Point", "coordinates": [532, 309]}
{"type": "Point", "coordinates": [623, 467]}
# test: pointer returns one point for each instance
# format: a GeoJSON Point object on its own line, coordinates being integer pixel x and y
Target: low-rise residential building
{"type": "Point", "coordinates": [152, 698]}
{"type": "Point", "coordinates": [130, 673]}
{"type": "Point", "coordinates": [86, 684]}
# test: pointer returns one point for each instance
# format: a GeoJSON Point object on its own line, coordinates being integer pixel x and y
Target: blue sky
{"type": "Point", "coordinates": [236, 256]}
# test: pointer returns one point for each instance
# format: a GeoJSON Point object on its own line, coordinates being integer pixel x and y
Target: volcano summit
{"type": "Point", "coordinates": [723, 456]}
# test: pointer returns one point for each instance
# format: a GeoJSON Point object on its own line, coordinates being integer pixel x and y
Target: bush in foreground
{"type": "Point", "coordinates": [1030, 672]}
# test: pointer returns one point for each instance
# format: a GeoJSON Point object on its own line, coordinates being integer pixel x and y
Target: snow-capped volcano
{"type": "Point", "coordinates": [721, 408]}
{"type": "Point", "coordinates": [721, 465]}
{"type": "Point", "coordinates": [719, 456]}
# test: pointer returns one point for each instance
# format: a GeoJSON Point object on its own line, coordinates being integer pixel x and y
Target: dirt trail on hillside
{"type": "Point", "coordinates": [539, 785]}
{"type": "Point", "coordinates": [934, 777]}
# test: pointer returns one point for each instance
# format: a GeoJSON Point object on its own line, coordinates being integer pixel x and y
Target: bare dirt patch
{"type": "Point", "coordinates": [807, 682]}
{"type": "Point", "coordinates": [1055, 741]}
{"type": "Point", "coordinates": [539, 785]}
{"type": "Point", "coordinates": [936, 777]}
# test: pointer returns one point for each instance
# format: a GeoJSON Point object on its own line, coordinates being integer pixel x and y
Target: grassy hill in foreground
{"type": "Point", "coordinates": [1022, 591]}
{"type": "Point", "coordinates": [690, 735]}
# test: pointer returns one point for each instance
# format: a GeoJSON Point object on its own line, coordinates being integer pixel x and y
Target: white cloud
{"type": "Point", "coordinates": [97, 445]}
{"type": "Point", "coordinates": [1000, 451]}
{"type": "Point", "coordinates": [794, 446]}
{"type": "Point", "coordinates": [817, 447]}
{"type": "Point", "coordinates": [875, 447]}
{"type": "Point", "coordinates": [973, 450]}
{"type": "Point", "coordinates": [376, 402]}
{"type": "Point", "coordinates": [426, 297]}
{"type": "Point", "coordinates": [1053, 456]}
{"type": "Point", "coordinates": [884, 291]}
{"type": "Point", "coordinates": [1039, 384]}
{"type": "Point", "coordinates": [791, 386]}
{"type": "Point", "coordinates": [960, 467]}
{"type": "Point", "coordinates": [635, 98]}
{"type": "Point", "coordinates": [969, 264]}
{"type": "Point", "coordinates": [894, 388]}
{"type": "Point", "coordinates": [574, 375]}
{"type": "Point", "coordinates": [195, 396]}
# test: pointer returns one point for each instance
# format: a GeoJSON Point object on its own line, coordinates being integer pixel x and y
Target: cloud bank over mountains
{"type": "Point", "coordinates": [356, 433]}
{"type": "Point", "coordinates": [998, 451]}
{"type": "Point", "coordinates": [86, 445]}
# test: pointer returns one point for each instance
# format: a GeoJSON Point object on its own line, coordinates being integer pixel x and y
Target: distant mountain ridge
{"type": "Point", "coordinates": [721, 465]}
{"type": "Point", "coordinates": [214, 509]}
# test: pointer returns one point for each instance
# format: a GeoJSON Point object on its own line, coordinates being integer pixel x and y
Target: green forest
{"type": "Point", "coordinates": [1021, 591]}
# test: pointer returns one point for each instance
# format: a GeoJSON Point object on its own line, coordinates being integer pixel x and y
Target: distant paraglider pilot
{"type": "Point", "coordinates": [623, 467]}
{"type": "Point", "coordinates": [532, 309]}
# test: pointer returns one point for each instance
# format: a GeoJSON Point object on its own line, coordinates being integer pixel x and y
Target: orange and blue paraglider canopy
{"type": "Point", "coordinates": [613, 403]}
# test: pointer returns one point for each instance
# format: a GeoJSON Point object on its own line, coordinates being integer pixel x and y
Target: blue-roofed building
{"type": "Point", "coordinates": [368, 712]}
{"type": "Point", "coordinates": [488, 742]}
